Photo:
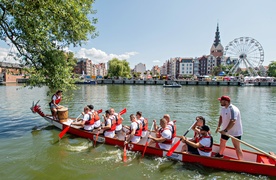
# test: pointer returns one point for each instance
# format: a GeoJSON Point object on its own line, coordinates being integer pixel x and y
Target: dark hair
{"type": "Point", "coordinates": [202, 118]}
{"type": "Point", "coordinates": [59, 91]}
{"type": "Point", "coordinates": [139, 113]}
{"type": "Point", "coordinates": [90, 107]}
{"type": "Point", "coordinates": [107, 111]}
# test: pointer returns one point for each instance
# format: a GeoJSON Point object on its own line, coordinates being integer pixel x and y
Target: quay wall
{"type": "Point", "coordinates": [199, 83]}
{"type": "Point", "coordinates": [161, 82]}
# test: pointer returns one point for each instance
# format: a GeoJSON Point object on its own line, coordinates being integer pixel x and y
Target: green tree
{"type": "Point", "coordinates": [119, 68]}
{"type": "Point", "coordinates": [272, 69]}
{"type": "Point", "coordinates": [39, 30]}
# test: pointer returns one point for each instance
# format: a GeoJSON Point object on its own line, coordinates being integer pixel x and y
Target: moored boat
{"type": "Point", "coordinates": [173, 85]}
{"type": "Point", "coordinates": [253, 163]}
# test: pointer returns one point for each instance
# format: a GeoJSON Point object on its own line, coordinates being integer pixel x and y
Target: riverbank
{"type": "Point", "coordinates": [161, 82]}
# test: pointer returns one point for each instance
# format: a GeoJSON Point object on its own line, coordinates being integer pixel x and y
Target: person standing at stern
{"type": "Point", "coordinates": [230, 123]}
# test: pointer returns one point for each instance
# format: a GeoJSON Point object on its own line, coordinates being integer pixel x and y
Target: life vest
{"type": "Point", "coordinates": [119, 119]}
{"type": "Point", "coordinates": [138, 131]}
{"type": "Point", "coordinates": [173, 130]}
{"type": "Point", "coordinates": [58, 99]}
{"type": "Point", "coordinates": [113, 125]}
{"type": "Point", "coordinates": [158, 135]}
{"type": "Point", "coordinates": [196, 137]}
{"type": "Point", "coordinates": [144, 125]}
{"type": "Point", "coordinates": [204, 148]}
{"type": "Point", "coordinates": [90, 121]}
{"type": "Point", "coordinates": [95, 116]}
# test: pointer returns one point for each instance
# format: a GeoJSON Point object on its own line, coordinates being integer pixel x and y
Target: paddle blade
{"type": "Point", "coordinates": [123, 112]}
{"type": "Point", "coordinates": [99, 111]}
{"type": "Point", "coordinates": [145, 149]}
{"type": "Point", "coordinates": [96, 139]}
{"type": "Point", "coordinates": [64, 131]}
{"type": "Point", "coordinates": [169, 153]}
{"type": "Point", "coordinates": [125, 155]}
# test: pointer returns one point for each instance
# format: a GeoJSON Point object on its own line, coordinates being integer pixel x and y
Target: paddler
{"type": "Point", "coordinates": [54, 104]}
{"type": "Point", "coordinates": [144, 123]}
{"type": "Point", "coordinates": [163, 137]}
{"type": "Point", "coordinates": [135, 130]}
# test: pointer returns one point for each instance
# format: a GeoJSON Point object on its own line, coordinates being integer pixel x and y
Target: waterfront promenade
{"type": "Point", "coordinates": [161, 82]}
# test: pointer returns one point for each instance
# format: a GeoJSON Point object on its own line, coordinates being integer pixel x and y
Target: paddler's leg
{"type": "Point", "coordinates": [222, 147]}
{"type": "Point", "coordinates": [237, 146]}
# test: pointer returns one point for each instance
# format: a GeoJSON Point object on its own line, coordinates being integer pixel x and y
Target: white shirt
{"type": "Point", "coordinates": [168, 135]}
{"type": "Point", "coordinates": [141, 120]}
{"type": "Point", "coordinates": [118, 127]}
{"type": "Point", "coordinates": [135, 139]}
{"type": "Point", "coordinates": [86, 118]}
{"type": "Point", "coordinates": [232, 112]}
{"type": "Point", "coordinates": [110, 134]}
{"type": "Point", "coordinates": [206, 142]}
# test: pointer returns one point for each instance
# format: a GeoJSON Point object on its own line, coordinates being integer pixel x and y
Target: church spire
{"type": "Point", "coordinates": [217, 37]}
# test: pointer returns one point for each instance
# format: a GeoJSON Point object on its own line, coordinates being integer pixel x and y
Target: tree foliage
{"type": "Point", "coordinates": [40, 30]}
{"type": "Point", "coordinates": [118, 68]}
{"type": "Point", "coordinates": [272, 69]}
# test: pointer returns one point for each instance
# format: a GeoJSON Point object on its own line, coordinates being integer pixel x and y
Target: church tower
{"type": "Point", "coordinates": [217, 48]}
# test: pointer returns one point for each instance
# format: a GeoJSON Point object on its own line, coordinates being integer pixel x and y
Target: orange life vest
{"type": "Point", "coordinates": [90, 121]}
{"type": "Point", "coordinates": [204, 148]}
{"type": "Point", "coordinates": [145, 125]}
{"type": "Point", "coordinates": [113, 125]}
{"type": "Point", "coordinates": [138, 131]}
{"type": "Point", "coordinates": [58, 99]}
{"type": "Point", "coordinates": [173, 130]}
{"type": "Point", "coordinates": [119, 119]}
{"type": "Point", "coordinates": [158, 135]}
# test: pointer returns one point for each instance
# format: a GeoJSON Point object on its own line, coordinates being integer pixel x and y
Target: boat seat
{"type": "Point", "coordinates": [265, 160]}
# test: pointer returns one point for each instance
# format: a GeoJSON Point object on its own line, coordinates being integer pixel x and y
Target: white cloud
{"type": "Point", "coordinates": [5, 57]}
{"type": "Point", "coordinates": [97, 55]}
{"type": "Point", "coordinates": [156, 61]}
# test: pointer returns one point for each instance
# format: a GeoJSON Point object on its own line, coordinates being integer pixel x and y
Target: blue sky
{"type": "Point", "coordinates": [152, 31]}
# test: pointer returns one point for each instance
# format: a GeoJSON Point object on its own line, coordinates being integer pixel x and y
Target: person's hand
{"type": "Point", "coordinates": [154, 121]}
{"type": "Point", "coordinates": [150, 137]}
{"type": "Point", "coordinates": [184, 139]}
{"type": "Point", "coordinates": [222, 132]}
{"type": "Point", "coordinates": [217, 130]}
{"type": "Point", "coordinates": [125, 142]}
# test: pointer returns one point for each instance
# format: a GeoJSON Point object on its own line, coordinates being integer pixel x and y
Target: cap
{"type": "Point", "coordinates": [205, 128]}
{"type": "Point", "coordinates": [226, 98]}
{"type": "Point", "coordinates": [90, 107]}
{"type": "Point", "coordinates": [59, 91]}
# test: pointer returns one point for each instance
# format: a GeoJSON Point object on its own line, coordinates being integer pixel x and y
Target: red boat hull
{"type": "Point", "coordinates": [254, 163]}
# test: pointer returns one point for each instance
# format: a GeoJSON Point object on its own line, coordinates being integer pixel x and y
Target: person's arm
{"type": "Point", "coordinates": [188, 142]}
{"type": "Point", "coordinates": [130, 135]}
{"type": "Point", "coordinates": [219, 123]}
{"type": "Point", "coordinates": [159, 140]}
{"type": "Point", "coordinates": [229, 126]}
{"type": "Point", "coordinates": [155, 125]}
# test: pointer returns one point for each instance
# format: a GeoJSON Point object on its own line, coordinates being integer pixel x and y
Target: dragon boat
{"type": "Point", "coordinates": [253, 163]}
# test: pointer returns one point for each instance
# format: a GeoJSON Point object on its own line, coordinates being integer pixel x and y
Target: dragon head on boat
{"type": "Point", "coordinates": [37, 109]}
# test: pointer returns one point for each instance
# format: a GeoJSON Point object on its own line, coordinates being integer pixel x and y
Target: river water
{"type": "Point", "coordinates": [30, 147]}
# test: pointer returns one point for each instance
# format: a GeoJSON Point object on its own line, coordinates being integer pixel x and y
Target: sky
{"type": "Point", "coordinates": [153, 31]}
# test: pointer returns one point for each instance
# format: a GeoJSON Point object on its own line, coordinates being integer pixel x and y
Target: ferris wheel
{"type": "Point", "coordinates": [244, 52]}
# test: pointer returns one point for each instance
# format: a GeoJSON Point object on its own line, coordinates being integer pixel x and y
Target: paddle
{"type": "Point", "coordinates": [123, 111]}
{"type": "Point", "coordinates": [173, 148]}
{"type": "Point", "coordinates": [125, 153]}
{"type": "Point", "coordinates": [61, 134]}
{"type": "Point", "coordinates": [147, 141]}
{"type": "Point", "coordinates": [64, 131]}
{"type": "Point", "coordinates": [245, 143]}
{"type": "Point", "coordinates": [99, 111]}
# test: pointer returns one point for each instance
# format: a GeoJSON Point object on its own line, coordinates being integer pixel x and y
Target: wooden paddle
{"type": "Point", "coordinates": [173, 148]}
{"type": "Point", "coordinates": [64, 131]}
{"type": "Point", "coordinates": [253, 147]}
{"type": "Point", "coordinates": [147, 141]}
